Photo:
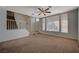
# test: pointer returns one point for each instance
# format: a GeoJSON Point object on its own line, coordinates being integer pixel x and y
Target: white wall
{"type": "Point", "coordinates": [72, 26]}
{"type": "Point", "coordinates": [11, 34]}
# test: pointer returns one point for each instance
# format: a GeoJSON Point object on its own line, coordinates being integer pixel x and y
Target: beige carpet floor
{"type": "Point", "coordinates": [40, 43]}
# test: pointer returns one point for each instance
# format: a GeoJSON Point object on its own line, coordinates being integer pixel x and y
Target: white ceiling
{"type": "Point", "coordinates": [33, 10]}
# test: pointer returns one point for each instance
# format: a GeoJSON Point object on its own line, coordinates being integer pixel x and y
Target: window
{"type": "Point", "coordinates": [14, 22]}
{"type": "Point", "coordinates": [52, 24]}
{"type": "Point", "coordinates": [56, 23]}
{"type": "Point", "coordinates": [64, 23]}
{"type": "Point", "coordinates": [11, 22]}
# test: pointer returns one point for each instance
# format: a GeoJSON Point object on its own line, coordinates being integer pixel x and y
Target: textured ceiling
{"type": "Point", "coordinates": [33, 10]}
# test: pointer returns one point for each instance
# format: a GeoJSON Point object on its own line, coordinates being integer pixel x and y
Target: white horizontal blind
{"type": "Point", "coordinates": [64, 23]}
{"type": "Point", "coordinates": [52, 24]}
{"type": "Point", "coordinates": [43, 24]}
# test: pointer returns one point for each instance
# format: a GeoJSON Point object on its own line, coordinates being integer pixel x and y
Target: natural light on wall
{"type": "Point", "coordinates": [37, 19]}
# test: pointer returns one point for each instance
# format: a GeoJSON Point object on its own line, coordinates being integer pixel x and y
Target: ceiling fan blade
{"type": "Point", "coordinates": [50, 6]}
{"type": "Point", "coordinates": [40, 9]}
{"type": "Point", "coordinates": [40, 13]}
{"type": "Point", "coordinates": [46, 9]}
{"type": "Point", "coordinates": [48, 12]}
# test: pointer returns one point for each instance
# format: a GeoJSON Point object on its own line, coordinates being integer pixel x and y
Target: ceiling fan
{"type": "Point", "coordinates": [44, 11]}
